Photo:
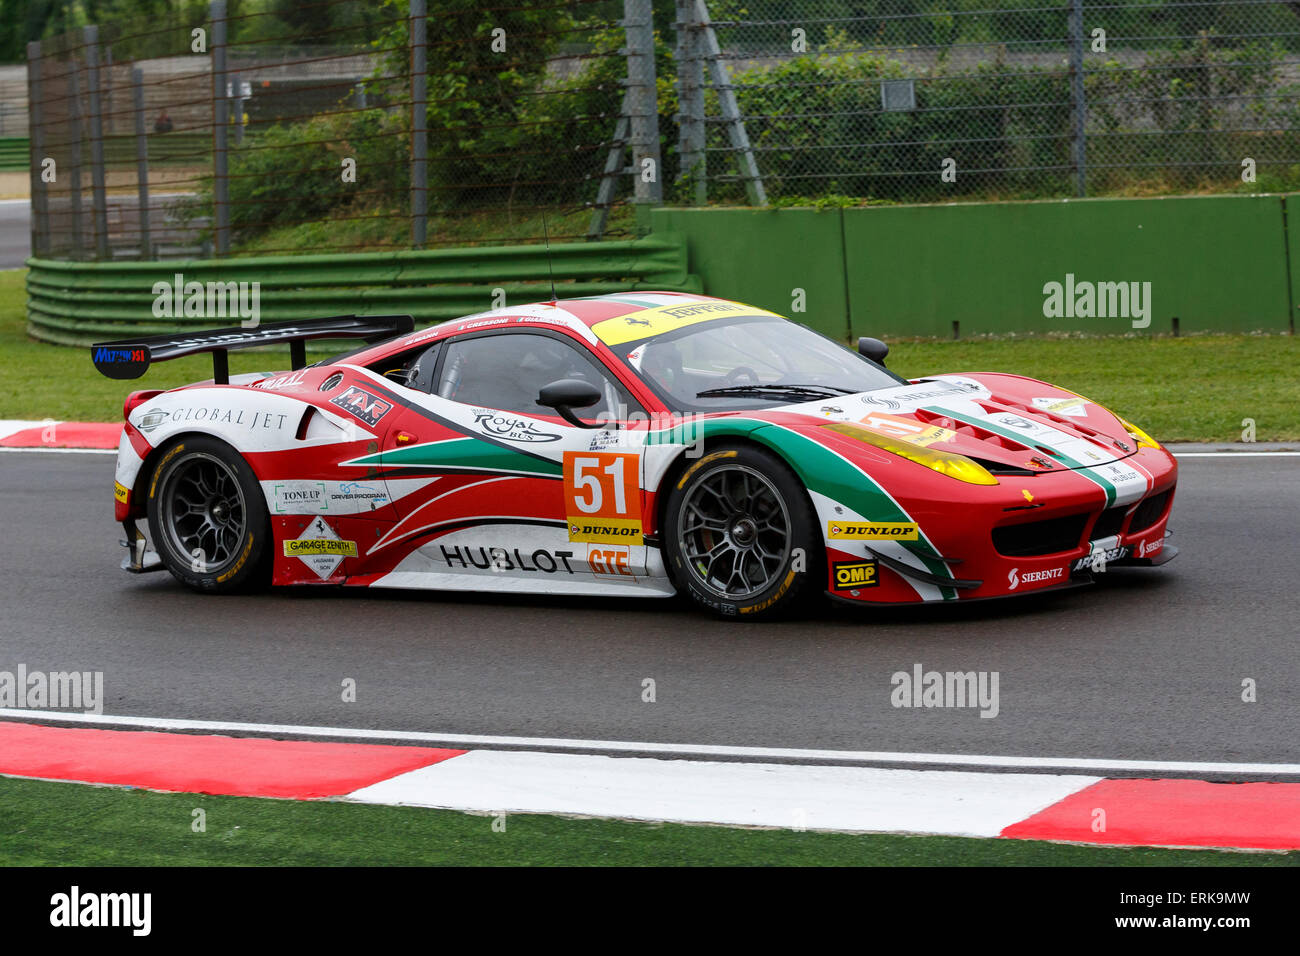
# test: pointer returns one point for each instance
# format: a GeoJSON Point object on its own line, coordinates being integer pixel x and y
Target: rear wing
{"type": "Point", "coordinates": [131, 358]}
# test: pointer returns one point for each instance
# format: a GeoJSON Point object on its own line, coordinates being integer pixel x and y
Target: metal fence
{"type": "Point", "coordinates": [336, 125]}
{"type": "Point", "coordinates": [333, 125]}
{"type": "Point", "coordinates": [910, 101]}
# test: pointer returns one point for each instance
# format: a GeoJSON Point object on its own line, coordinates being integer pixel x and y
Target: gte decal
{"type": "Point", "coordinates": [361, 404]}
{"type": "Point", "coordinates": [850, 575]}
{"type": "Point", "coordinates": [873, 531]}
{"type": "Point", "coordinates": [609, 561]}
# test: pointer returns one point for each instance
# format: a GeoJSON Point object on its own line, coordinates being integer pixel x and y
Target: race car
{"type": "Point", "coordinates": [646, 444]}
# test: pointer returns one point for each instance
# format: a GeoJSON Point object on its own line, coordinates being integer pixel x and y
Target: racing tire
{"type": "Point", "coordinates": [208, 518]}
{"type": "Point", "coordinates": [740, 535]}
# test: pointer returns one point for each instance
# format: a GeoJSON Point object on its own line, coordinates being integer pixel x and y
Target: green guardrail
{"type": "Point", "coordinates": [77, 303]}
{"type": "Point", "coordinates": [14, 152]}
{"type": "Point", "coordinates": [1105, 266]}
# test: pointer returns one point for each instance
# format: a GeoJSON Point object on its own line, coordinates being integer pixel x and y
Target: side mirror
{"type": "Point", "coordinates": [568, 394]}
{"type": "Point", "coordinates": [873, 349]}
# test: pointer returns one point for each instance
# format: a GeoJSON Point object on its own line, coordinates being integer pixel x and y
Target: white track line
{"type": "Point", "coordinates": [64, 451]}
{"type": "Point", "coordinates": [1237, 454]}
{"type": "Point", "coordinates": [855, 799]}
{"type": "Point", "coordinates": [631, 747]}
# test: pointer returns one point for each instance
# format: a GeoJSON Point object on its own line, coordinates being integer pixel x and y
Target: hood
{"type": "Point", "coordinates": [1007, 423]}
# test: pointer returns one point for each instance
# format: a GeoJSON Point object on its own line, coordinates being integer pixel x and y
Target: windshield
{"type": "Point", "coordinates": [749, 363]}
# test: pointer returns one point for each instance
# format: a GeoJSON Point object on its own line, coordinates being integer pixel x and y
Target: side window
{"type": "Point", "coordinates": [507, 371]}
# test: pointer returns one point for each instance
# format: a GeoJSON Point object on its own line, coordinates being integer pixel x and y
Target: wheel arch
{"type": "Point", "coordinates": [758, 435]}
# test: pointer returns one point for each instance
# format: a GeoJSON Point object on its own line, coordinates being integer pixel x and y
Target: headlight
{"type": "Point", "coordinates": [1142, 437]}
{"type": "Point", "coordinates": [944, 462]}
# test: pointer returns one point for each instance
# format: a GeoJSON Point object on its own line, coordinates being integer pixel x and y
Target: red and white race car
{"type": "Point", "coordinates": [644, 444]}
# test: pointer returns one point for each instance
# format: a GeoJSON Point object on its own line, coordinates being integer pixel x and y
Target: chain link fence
{"type": "Point", "coordinates": [338, 125]}
{"type": "Point", "coordinates": [906, 101]}
{"type": "Point", "coordinates": [329, 127]}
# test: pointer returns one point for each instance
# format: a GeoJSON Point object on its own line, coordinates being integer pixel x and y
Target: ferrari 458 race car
{"type": "Point", "coordinates": [645, 444]}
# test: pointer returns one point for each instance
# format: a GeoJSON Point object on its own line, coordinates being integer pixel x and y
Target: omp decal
{"type": "Point", "coordinates": [850, 575]}
{"type": "Point", "coordinates": [362, 405]}
{"type": "Point", "coordinates": [602, 497]}
{"type": "Point", "coordinates": [120, 491]}
{"type": "Point", "coordinates": [869, 531]}
{"type": "Point", "coordinates": [669, 318]}
{"type": "Point", "coordinates": [320, 548]}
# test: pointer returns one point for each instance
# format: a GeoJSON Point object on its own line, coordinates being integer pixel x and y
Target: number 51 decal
{"type": "Point", "coordinates": [602, 497]}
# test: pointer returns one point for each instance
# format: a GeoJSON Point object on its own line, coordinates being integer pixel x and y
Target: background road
{"type": "Point", "coordinates": [15, 234]}
{"type": "Point", "coordinates": [1147, 665]}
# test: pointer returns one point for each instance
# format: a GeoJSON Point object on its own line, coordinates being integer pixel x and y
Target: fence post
{"type": "Point", "coordinates": [729, 106]}
{"type": "Point", "coordinates": [98, 194]}
{"type": "Point", "coordinates": [141, 161]}
{"type": "Point", "coordinates": [36, 132]}
{"type": "Point", "coordinates": [220, 122]}
{"type": "Point", "coordinates": [638, 24]}
{"type": "Point", "coordinates": [74, 157]}
{"type": "Point", "coordinates": [419, 125]}
{"type": "Point", "coordinates": [690, 98]}
{"type": "Point", "coordinates": [1078, 101]}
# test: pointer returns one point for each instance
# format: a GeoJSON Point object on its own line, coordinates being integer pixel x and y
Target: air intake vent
{"type": "Point", "coordinates": [1040, 537]}
{"type": "Point", "coordinates": [1150, 511]}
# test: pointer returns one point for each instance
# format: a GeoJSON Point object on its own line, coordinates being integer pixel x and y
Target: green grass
{"type": "Point", "coordinates": [378, 229]}
{"type": "Point", "coordinates": [1194, 388]}
{"type": "Point", "coordinates": [53, 381]}
{"type": "Point", "coordinates": [68, 824]}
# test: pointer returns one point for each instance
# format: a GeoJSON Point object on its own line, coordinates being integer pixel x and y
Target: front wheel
{"type": "Point", "coordinates": [740, 534]}
{"type": "Point", "coordinates": [207, 516]}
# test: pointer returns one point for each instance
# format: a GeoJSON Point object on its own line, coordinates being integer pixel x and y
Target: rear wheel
{"type": "Point", "coordinates": [740, 534]}
{"type": "Point", "coordinates": [207, 516]}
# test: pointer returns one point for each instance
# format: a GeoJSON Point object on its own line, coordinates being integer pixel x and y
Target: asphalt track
{"type": "Point", "coordinates": [1147, 665]}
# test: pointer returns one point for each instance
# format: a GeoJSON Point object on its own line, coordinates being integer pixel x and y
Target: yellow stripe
{"type": "Point", "coordinates": [669, 318]}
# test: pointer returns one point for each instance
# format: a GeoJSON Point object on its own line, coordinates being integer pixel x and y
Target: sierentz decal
{"type": "Point", "coordinates": [668, 318]}
{"type": "Point", "coordinates": [851, 575]}
{"type": "Point", "coordinates": [872, 531]}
